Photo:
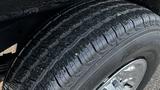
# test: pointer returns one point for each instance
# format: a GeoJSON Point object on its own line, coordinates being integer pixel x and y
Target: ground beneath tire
{"type": "Point", "coordinates": [154, 83]}
{"type": "Point", "coordinates": [1, 84]}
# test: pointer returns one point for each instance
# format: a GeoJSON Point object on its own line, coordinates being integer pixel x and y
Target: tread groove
{"type": "Point", "coordinates": [57, 81]}
{"type": "Point", "coordinates": [67, 71]}
{"type": "Point", "coordinates": [79, 59]}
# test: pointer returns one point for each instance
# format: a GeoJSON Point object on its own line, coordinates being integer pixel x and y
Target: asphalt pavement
{"type": "Point", "coordinates": [154, 83]}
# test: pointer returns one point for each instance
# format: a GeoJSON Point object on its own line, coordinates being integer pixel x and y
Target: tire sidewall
{"type": "Point", "coordinates": [143, 45]}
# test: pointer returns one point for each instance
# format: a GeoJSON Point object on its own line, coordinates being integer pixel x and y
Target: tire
{"type": "Point", "coordinates": [86, 44]}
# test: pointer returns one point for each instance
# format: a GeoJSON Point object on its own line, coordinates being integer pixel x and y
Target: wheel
{"type": "Point", "coordinates": [98, 45]}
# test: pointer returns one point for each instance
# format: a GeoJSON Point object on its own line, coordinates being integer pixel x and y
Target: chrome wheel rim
{"type": "Point", "coordinates": [127, 78]}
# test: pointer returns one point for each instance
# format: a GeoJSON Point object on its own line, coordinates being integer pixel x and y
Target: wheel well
{"type": "Point", "coordinates": [153, 5]}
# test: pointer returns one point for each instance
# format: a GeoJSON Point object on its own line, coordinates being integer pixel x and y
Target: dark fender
{"type": "Point", "coordinates": [21, 18]}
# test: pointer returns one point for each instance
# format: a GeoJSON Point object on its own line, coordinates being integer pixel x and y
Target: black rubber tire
{"type": "Point", "coordinates": [86, 44]}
